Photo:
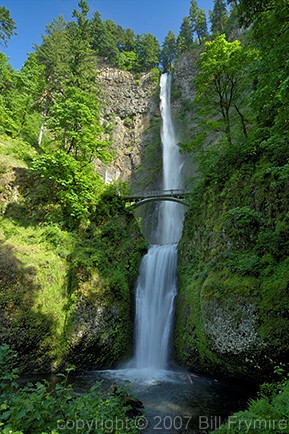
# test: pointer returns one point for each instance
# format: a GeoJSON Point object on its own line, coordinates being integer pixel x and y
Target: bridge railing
{"type": "Point", "coordinates": [158, 193]}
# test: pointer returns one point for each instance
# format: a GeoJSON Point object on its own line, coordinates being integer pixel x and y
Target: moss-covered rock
{"type": "Point", "coordinates": [232, 309]}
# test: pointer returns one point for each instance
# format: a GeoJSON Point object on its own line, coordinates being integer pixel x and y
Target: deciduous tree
{"type": "Point", "coordinates": [222, 67]}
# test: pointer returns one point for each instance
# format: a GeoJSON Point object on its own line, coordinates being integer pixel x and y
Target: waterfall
{"type": "Point", "coordinates": [156, 285]}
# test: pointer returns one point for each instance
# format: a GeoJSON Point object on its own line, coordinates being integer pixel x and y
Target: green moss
{"type": "Point", "coordinates": [234, 250]}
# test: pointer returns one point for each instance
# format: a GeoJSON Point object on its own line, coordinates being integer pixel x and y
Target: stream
{"type": "Point", "coordinates": [174, 401]}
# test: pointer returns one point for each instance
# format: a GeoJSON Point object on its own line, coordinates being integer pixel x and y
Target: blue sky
{"type": "Point", "coordinates": [142, 16]}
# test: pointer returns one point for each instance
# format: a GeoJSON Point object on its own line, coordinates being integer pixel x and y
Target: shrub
{"type": "Point", "coordinates": [37, 408]}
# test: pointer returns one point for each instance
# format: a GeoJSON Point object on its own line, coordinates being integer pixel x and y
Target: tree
{"type": "Point", "coordinates": [148, 50]}
{"type": "Point", "coordinates": [185, 39]}
{"type": "Point", "coordinates": [127, 60]}
{"type": "Point", "coordinates": [82, 59]}
{"type": "Point", "coordinates": [193, 14]}
{"type": "Point", "coordinates": [7, 25]}
{"type": "Point", "coordinates": [222, 67]}
{"type": "Point", "coordinates": [201, 26]}
{"type": "Point", "coordinates": [271, 96]}
{"type": "Point", "coordinates": [234, 3]}
{"type": "Point", "coordinates": [7, 92]}
{"type": "Point", "coordinates": [81, 17]}
{"type": "Point", "coordinates": [169, 51]}
{"type": "Point", "coordinates": [104, 38]}
{"type": "Point", "coordinates": [198, 21]}
{"type": "Point", "coordinates": [128, 43]}
{"type": "Point", "coordinates": [249, 10]}
{"type": "Point", "coordinates": [218, 17]}
{"type": "Point", "coordinates": [74, 122]}
{"type": "Point", "coordinates": [54, 55]}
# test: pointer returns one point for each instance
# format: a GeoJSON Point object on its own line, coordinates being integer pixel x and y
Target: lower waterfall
{"type": "Point", "coordinates": [156, 290]}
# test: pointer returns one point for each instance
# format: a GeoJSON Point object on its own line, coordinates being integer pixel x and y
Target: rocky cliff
{"type": "Point", "coordinates": [131, 111]}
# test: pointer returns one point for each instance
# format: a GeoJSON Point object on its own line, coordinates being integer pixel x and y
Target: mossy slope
{"type": "Point", "coordinates": [66, 293]}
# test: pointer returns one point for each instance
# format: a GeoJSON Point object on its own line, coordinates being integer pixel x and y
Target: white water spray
{"type": "Point", "coordinates": [156, 286]}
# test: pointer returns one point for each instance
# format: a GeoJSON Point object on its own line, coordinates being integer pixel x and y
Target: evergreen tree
{"type": "Point", "coordinates": [54, 55]}
{"type": "Point", "coordinates": [201, 25]}
{"type": "Point", "coordinates": [129, 40]}
{"type": "Point", "coordinates": [193, 15]}
{"type": "Point", "coordinates": [185, 39]}
{"type": "Point", "coordinates": [125, 39]}
{"type": "Point", "coordinates": [82, 61]}
{"type": "Point", "coordinates": [218, 17]}
{"type": "Point", "coordinates": [7, 25]}
{"type": "Point", "coordinates": [233, 3]}
{"type": "Point", "coordinates": [169, 51]}
{"type": "Point", "coordinates": [105, 38]}
{"type": "Point", "coordinates": [198, 21]}
{"type": "Point", "coordinates": [148, 52]}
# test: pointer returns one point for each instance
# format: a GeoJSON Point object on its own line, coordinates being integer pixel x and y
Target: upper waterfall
{"type": "Point", "coordinates": [170, 214]}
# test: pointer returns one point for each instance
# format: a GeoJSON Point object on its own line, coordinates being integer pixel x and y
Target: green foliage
{"type": "Point", "coordinates": [218, 17]}
{"type": "Point", "coordinates": [18, 94]}
{"type": "Point", "coordinates": [169, 51]}
{"type": "Point", "coordinates": [198, 21]}
{"type": "Point", "coordinates": [249, 11]}
{"type": "Point", "coordinates": [122, 47]}
{"type": "Point", "coordinates": [270, 99]}
{"type": "Point", "coordinates": [235, 240]}
{"type": "Point", "coordinates": [268, 413]}
{"type": "Point", "coordinates": [74, 122]}
{"type": "Point", "coordinates": [127, 60]}
{"type": "Point", "coordinates": [69, 248]}
{"type": "Point", "coordinates": [7, 25]}
{"type": "Point", "coordinates": [148, 51]}
{"type": "Point", "coordinates": [38, 408]}
{"type": "Point", "coordinates": [185, 37]}
{"type": "Point", "coordinates": [222, 68]}
{"type": "Point", "coordinates": [241, 226]}
{"type": "Point", "coordinates": [75, 186]}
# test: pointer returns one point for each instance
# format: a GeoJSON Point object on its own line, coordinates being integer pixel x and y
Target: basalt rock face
{"type": "Point", "coordinates": [131, 109]}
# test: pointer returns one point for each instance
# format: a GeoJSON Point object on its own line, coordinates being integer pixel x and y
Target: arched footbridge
{"type": "Point", "coordinates": [173, 195]}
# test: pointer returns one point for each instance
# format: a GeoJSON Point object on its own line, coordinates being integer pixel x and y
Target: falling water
{"type": "Point", "coordinates": [156, 286]}
{"type": "Point", "coordinates": [171, 213]}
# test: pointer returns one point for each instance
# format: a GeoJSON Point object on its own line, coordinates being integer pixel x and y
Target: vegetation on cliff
{"type": "Point", "coordinates": [66, 282]}
{"type": "Point", "coordinates": [70, 250]}
{"type": "Point", "coordinates": [232, 310]}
